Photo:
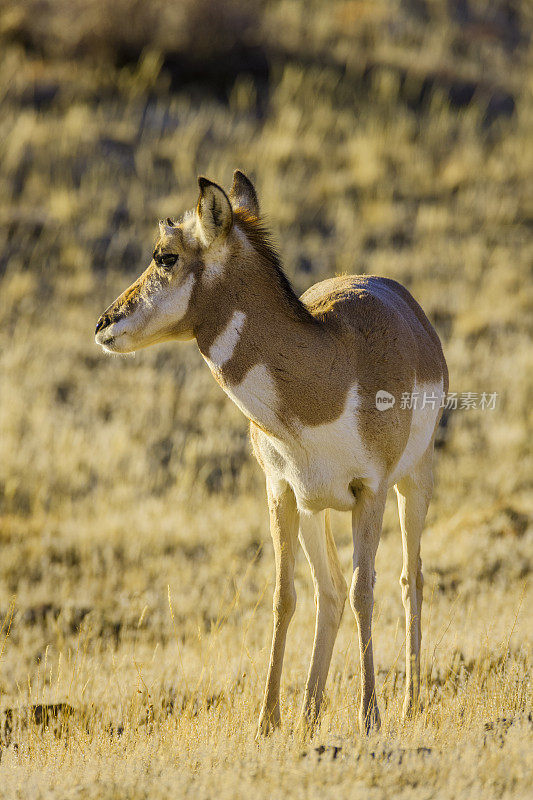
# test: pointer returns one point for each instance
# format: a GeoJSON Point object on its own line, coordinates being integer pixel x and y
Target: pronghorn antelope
{"type": "Point", "coordinates": [306, 373]}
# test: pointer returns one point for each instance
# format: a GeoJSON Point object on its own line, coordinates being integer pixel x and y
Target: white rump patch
{"type": "Point", "coordinates": [422, 427]}
{"type": "Point", "coordinates": [222, 348]}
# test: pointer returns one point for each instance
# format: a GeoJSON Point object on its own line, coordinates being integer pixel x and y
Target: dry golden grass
{"type": "Point", "coordinates": [135, 564]}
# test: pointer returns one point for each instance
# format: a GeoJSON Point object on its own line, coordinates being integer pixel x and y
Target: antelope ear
{"type": "Point", "coordinates": [213, 212]}
{"type": "Point", "coordinates": [242, 193]}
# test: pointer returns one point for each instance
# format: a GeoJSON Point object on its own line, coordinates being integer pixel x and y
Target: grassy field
{"type": "Point", "coordinates": [136, 570]}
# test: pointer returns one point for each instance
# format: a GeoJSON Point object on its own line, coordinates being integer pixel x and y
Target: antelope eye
{"type": "Point", "coordinates": [166, 260]}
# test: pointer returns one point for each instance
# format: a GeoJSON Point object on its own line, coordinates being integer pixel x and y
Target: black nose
{"type": "Point", "coordinates": [103, 322]}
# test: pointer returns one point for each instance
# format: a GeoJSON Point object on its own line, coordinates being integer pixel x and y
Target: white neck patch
{"type": "Point", "coordinates": [222, 348]}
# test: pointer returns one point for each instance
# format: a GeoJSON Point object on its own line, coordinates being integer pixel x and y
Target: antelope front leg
{"type": "Point", "coordinates": [330, 595]}
{"type": "Point", "coordinates": [284, 529]}
{"type": "Point", "coordinates": [367, 520]}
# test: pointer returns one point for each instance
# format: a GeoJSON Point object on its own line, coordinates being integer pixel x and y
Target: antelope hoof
{"type": "Point", "coordinates": [307, 722]}
{"type": "Point", "coordinates": [268, 723]}
{"type": "Point", "coordinates": [370, 721]}
{"type": "Point", "coordinates": [410, 708]}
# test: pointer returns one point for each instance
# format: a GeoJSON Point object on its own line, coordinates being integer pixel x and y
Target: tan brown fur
{"type": "Point", "coordinates": [351, 328]}
{"type": "Point", "coordinates": [305, 372]}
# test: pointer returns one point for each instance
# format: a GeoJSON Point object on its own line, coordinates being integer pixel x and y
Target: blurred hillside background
{"type": "Point", "coordinates": [391, 137]}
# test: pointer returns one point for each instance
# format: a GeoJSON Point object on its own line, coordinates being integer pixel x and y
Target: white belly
{"type": "Point", "coordinates": [320, 462]}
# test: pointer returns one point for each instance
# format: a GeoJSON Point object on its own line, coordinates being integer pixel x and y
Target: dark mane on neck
{"type": "Point", "coordinates": [260, 239]}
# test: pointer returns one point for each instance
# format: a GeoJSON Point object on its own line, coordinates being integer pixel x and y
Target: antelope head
{"type": "Point", "coordinates": [164, 303]}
